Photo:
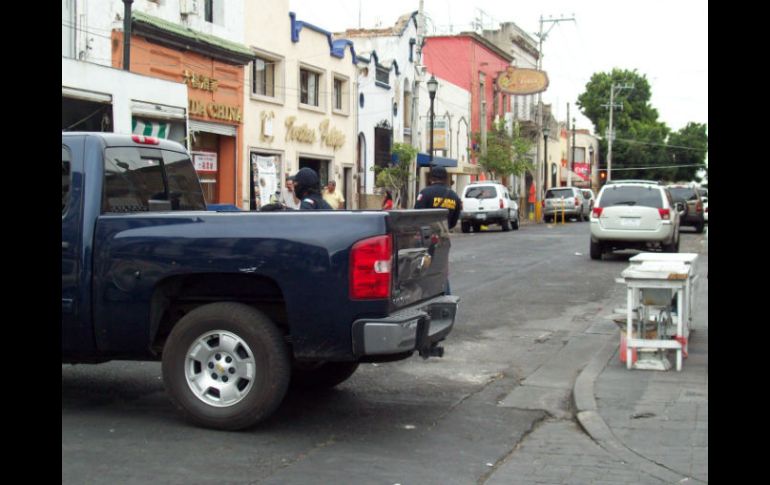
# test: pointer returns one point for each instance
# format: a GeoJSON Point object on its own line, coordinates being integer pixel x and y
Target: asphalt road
{"type": "Point", "coordinates": [529, 301]}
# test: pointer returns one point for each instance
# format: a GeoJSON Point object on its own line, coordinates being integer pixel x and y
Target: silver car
{"type": "Point", "coordinates": [569, 201]}
{"type": "Point", "coordinates": [634, 215]}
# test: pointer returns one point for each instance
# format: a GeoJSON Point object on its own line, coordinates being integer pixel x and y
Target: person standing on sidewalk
{"type": "Point", "coordinates": [531, 200]}
{"type": "Point", "coordinates": [332, 197]}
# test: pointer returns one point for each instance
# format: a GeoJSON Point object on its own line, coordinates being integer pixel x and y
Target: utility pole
{"type": "Point", "coordinates": [610, 132]}
{"type": "Point", "coordinates": [540, 182]}
{"type": "Point", "coordinates": [569, 154]}
{"type": "Point", "coordinates": [572, 164]}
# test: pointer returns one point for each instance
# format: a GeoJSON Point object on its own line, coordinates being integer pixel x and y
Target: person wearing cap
{"type": "Point", "coordinates": [438, 195]}
{"type": "Point", "coordinates": [307, 188]}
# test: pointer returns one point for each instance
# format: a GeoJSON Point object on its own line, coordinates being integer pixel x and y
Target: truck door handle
{"type": "Point", "coordinates": [65, 245]}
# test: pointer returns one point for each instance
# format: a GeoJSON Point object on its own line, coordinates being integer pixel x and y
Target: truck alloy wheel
{"type": "Point", "coordinates": [226, 366]}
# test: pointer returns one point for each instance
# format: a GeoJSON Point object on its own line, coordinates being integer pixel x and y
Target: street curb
{"type": "Point", "coordinates": [594, 425]}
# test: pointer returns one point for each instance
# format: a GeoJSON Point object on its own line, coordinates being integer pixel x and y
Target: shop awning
{"type": "Point", "coordinates": [423, 160]}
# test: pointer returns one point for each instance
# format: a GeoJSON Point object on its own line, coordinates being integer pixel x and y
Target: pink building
{"type": "Point", "coordinates": [472, 63]}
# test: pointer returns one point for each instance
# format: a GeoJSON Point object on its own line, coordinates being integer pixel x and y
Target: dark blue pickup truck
{"type": "Point", "coordinates": [236, 305]}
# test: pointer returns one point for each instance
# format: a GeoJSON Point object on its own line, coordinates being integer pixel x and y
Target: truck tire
{"type": "Point", "coordinates": [321, 375]}
{"type": "Point", "coordinates": [226, 366]}
{"type": "Point", "coordinates": [465, 226]}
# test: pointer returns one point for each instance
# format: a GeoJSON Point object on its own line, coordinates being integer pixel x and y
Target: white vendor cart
{"type": "Point", "coordinates": [652, 287]}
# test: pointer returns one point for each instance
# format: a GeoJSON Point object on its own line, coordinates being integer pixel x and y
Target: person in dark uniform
{"type": "Point", "coordinates": [307, 187]}
{"type": "Point", "coordinates": [438, 195]}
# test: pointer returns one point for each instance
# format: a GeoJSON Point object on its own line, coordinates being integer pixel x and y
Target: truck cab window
{"type": "Point", "coordinates": [65, 177]}
{"type": "Point", "coordinates": [132, 176]}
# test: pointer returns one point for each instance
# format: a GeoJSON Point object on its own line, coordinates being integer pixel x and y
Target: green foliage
{"type": "Point", "coordinates": [397, 176]}
{"type": "Point", "coordinates": [640, 139]}
{"type": "Point", "coordinates": [506, 154]}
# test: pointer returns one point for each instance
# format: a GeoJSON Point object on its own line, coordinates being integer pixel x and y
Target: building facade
{"type": "Point", "coordinates": [472, 63]}
{"type": "Point", "coordinates": [300, 106]}
{"type": "Point", "coordinates": [197, 44]}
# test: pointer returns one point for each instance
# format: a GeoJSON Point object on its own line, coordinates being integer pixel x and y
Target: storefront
{"type": "Point", "coordinates": [213, 70]}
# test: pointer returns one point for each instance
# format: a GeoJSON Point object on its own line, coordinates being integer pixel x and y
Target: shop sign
{"type": "Point", "coordinates": [205, 161]}
{"type": "Point", "coordinates": [583, 170]}
{"type": "Point", "coordinates": [302, 134]}
{"type": "Point", "coordinates": [331, 136]}
{"type": "Point", "coordinates": [215, 110]}
{"type": "Point", "coordinates": [522, 81]}
{"type": "Point", "coordinates": [439, 134]}
{"type": "Point", "coordinates": [267, 125]}
{"type": "Point", "coordinates": [199, 81]}
{"type": "Point", "coordinates": [266, 183]}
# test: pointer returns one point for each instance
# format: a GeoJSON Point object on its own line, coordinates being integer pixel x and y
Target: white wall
{"type": "Point", "coordinates": [124, 87]}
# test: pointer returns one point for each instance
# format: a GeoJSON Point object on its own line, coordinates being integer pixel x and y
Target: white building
{"type": "Point", "coordinates": [388, 78]}
{"type": "Point", "coordinates": [300, 108]}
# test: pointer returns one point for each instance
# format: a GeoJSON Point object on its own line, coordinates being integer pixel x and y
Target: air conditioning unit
{"type": "Point", "coordinates": [189, 7]}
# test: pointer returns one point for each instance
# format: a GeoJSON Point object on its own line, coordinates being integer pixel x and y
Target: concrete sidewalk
{"type": "Point", "coordinates": [657, 421]}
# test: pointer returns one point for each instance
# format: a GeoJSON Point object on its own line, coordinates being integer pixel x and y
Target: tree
{"type": "Point", "coordinates": [396, 177]}
{"type": "Point", "coordinates": [506, 153]}
{"type": "Point", "coordinates": [689, 146]}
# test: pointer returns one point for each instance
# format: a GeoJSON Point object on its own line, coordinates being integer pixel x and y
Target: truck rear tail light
{"type": "Point", "coordinates": [597, 211]}
{"type": "Point", "coordinates": [501, 203]}
{"type": "Point", "coordinates": [665, 214]}
{"type": "Point", "coordinates": [145, 140]}
{"type": "Point", "coordinates": [371, 261]}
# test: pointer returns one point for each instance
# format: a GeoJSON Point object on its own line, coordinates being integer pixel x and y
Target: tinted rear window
{"type": "Point", "coordinates": [559, 193]}
{"type": "Point", "coordinates": [481, 192]}
{"type": "Point", "coordinates": [642, 196]}
{"type": "Point", "coordinates": [133, 176]}
{"type": "Point", "coordinates": [683, 193]}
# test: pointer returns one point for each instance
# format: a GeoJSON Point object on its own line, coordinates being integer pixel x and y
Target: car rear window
{"type": "Point", "coordinates": [641, 196]}
{"type": "Point", "coordinates": [559, 193]}
{"type": "Point", "coordinates": [134, 176]}
{"type": "Point", "coordinates": [683, 193]}
{"type": "Point", "coordinates": [481, 192]}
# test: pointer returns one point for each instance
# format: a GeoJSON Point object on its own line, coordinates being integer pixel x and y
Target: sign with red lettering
{"type": "Point", "coordinates": [205, 161]}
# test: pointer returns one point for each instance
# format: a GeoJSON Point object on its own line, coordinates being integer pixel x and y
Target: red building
{"type": "Point", "coordinates": [472, 63]}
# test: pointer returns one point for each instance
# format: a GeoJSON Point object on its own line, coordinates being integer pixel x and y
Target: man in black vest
{"type": "Point", "coordinates": [438, 195]}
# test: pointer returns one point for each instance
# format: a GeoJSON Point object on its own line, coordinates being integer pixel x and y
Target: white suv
{"type": "Point", "coordinates": [634, 215]}
{"type": "Point", "coordinates": [488, 203]}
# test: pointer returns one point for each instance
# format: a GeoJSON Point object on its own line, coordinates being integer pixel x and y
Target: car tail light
{"type": "Point", "coordinates": [371, 261]}
{"type": "Point", "coordinates": [145, 140]}
{"type": "Point", "coordinates": [501, 203]}
{"type": "Point", "coordinates": [577, 202]}
{"type": "Point", "coordinates": [597, 211]}
{"type": "Point", "coordinates": [699, 207]}
{"type": "Point", "coordinates": [542, 202]}
{"type": "Point", "coordinates": [706, 209]}
{"type": "Point", "coordinates": [665, 214]}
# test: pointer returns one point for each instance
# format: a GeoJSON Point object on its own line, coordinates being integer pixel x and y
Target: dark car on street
{"type": "Point", "coordinates": [693, 215]}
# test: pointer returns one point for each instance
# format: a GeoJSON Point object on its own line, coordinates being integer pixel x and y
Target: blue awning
{"type": "Point", "coordinates": [423, 160]}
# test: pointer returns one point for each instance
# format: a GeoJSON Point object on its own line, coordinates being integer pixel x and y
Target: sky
{"type": "Point", "coordinates": [667, 41]}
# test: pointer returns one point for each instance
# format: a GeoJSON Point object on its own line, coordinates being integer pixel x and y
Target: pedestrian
{"type": "Point", "coordinates": [531, 200]}
{"type": "Point", "coordinates": [290, 199]}
{"type": "Point", "coordinates": [334, 198]}
{"type": "Point", "coordinates": [387, 204]}
{"type": "Point", "coordinates": [438, 195]}
{"type": "Point", "coordinates": [307, 188]}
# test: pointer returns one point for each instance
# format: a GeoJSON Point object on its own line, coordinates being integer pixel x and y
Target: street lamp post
{"type": "Point", "coordinates": [432, 88]}
{"type": "Point", "coordinates": [546, 132]}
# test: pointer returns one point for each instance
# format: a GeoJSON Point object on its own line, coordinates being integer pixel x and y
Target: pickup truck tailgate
{"type": "Point", "coordinates": [421, 246]}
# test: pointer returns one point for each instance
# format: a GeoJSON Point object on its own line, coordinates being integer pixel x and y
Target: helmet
{"type": "Point", "coordinates": [306, 181]}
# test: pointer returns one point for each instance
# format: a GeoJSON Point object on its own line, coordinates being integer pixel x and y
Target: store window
{"type": "Point", "coordinates": [266, 175]}
{"type": "Point", "coordinates": [205, 152]}
{"type": "Point", "coordinates": [320, 166]}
